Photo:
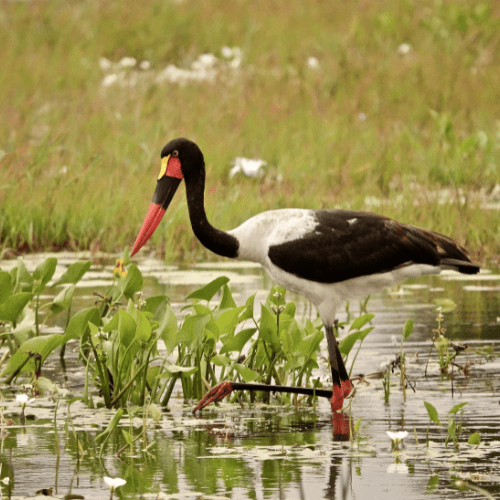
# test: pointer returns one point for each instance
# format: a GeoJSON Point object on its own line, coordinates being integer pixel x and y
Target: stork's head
{"type": "Point", "coordinates": [180, 158]}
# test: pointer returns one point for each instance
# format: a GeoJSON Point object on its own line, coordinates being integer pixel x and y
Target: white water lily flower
{"type": "Point", "coordinates": [397, 436]}
{"type": "Point", "coordinates": [249, 167]}
{"type": "Point", "coordinates": [114, 482]}
{"type": "Point", "coordinates": [24, 400]}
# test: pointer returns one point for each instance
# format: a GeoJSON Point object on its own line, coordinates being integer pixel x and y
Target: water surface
{"type": "Point", "coordinates": [278, 451]}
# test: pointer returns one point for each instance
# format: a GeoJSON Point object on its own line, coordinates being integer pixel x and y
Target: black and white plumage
{"type": "Point", "coordinates": [328, 256]}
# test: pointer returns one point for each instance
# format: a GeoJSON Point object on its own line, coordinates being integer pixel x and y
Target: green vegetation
{"type": "Point", "coordinates": [410, 130]}
{"type": "Point", "coordinates": [120, 346]}
{"type": "Point", "coordinates": [454, 428]}
{"type": "Point", "coordinates": [135, 349]}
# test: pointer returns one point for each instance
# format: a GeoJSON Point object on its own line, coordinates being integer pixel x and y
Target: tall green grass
{"type": "Point", "coordinates": [79, 160]}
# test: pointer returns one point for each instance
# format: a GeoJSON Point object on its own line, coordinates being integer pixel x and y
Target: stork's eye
{"type": "Point", "coordinates": [175, 153]}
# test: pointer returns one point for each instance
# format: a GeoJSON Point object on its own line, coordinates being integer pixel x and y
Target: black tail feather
{"type": "Point", "coordinates": [461, 266]}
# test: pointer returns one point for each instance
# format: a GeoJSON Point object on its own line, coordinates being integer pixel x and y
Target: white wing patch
{"type": "Point", "coordinates": [274, 227]}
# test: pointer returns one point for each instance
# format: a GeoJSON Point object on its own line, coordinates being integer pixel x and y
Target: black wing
{"type": "Point", "coordinates": [347, 244]}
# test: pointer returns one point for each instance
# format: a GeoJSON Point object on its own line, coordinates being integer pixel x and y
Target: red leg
{"type": "Point", "coordinates": [346, 388]}
{"type": "Point", "coordinates": [339, 394]}
{"type": "Point", "coordinates": [337, 400]}
{"type": "Point", "coordinates": [216, 394]}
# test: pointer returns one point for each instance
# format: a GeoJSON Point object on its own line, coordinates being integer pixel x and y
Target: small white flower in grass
{"type": "Point", "coordinates": [205, 60]}
{"type": "Point", "coordinates": [127, 62]}
{"type": "Point", "coordinates": [227, 52]}
{"type": "Point", "coordinates": [404, 48]}
{"type": "Point", "coordinates": [109, 80]}
{"type": "Point", "coordinates": [232, 53]}
{"type": "Point", "coordinates": [249, 167]}
{"type": "Point", "coordinates": [5, 480]}
{"type": "Point", "coordinates": [313, 63]}
{"type": "Point", "coordinates": [104, 63]}
{"type": "Point", "coordinates": [145, 65]}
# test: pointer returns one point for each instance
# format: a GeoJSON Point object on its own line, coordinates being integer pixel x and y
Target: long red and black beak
{"type": "Point", "coordinates": [168, 181]}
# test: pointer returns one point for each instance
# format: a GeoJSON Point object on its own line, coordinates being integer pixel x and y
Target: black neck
{"type": "Point", "coordinates": [214, 239]}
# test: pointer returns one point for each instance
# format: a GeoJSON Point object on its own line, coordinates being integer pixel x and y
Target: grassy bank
{"type": "Point", "coordinates": [411, 131]}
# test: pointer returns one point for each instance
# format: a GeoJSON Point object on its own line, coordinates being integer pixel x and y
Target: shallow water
{"type": "Point", "coordinates": [279, 451]}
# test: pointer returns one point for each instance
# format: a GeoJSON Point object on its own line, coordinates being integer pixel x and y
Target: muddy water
{"type": "Point", "coordinates": [279, 451]}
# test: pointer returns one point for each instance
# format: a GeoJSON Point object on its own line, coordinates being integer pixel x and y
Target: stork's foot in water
{"type": "Point", "coordinates": [336, 396]}
{"type": "Point", "coordinates": [216, 394]}
{"type": "Point", "coordinates": [339, 394]}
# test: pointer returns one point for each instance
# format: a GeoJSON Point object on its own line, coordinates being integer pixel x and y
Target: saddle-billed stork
{"type": "Point", "coordinates": [328, 256]}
